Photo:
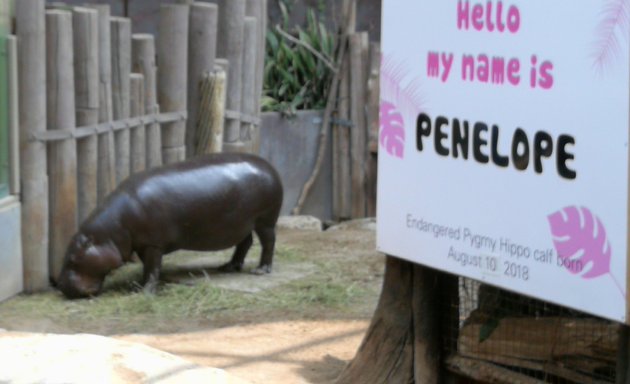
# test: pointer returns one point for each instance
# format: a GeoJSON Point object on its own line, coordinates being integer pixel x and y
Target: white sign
{"type": "Point", "coordinates": [504, 144]}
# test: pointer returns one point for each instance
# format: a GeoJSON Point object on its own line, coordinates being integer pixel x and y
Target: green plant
{"type": "Point", "coordinates": [298, 65]}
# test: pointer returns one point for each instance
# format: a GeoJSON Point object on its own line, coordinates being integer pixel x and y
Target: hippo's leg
{"type": "Point", "coordinates": [152, 260]}
{"type": "Point", "coordinates": [238, 258]}
{"type": "Point", "coordinates": [267, 236]}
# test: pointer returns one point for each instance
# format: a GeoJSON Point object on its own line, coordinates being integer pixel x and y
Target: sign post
{"type": "Point", "coordinates": [504, 145]}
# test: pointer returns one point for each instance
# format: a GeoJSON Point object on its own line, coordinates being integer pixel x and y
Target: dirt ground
{"type": "Point", "coordinates": [301, 326]}
{"type": "Point", "coordinates": [280, 352]}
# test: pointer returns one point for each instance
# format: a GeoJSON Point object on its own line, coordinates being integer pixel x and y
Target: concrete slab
{"type": "Point", "coordinates": [366, 224]}
{"type": "Point", "coordinates": [305, 223]}
{"type": "Point", "coordinates": [83, 358]}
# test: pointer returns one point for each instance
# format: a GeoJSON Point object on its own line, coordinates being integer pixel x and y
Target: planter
{"type": "Point", "coordinates": [291, 145]}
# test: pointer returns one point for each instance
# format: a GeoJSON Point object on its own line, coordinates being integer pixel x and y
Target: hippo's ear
{"type": "Point", "coordinates": [84, 241]}
{"type": "Point", "coordinates": [105, 257]}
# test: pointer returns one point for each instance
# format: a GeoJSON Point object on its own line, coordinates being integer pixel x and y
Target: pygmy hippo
{"type": "Point", "coordinates": [208, 203]}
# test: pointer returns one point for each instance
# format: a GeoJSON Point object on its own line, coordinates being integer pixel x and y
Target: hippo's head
{"type": "Point", "coordinates": [85, 266]}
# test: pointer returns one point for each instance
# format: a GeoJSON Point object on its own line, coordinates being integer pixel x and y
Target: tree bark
{"type": "Point", "coordinates": [404, 341]}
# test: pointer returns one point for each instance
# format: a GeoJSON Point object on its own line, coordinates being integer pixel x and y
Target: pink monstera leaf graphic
{"type": "Point", "coordinates": [581, 243]}
{"type": "Point", "coordinates": [392, 136]}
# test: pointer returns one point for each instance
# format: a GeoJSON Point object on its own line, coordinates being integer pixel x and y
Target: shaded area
{"type": "Point", "coordinates": [327, 275]}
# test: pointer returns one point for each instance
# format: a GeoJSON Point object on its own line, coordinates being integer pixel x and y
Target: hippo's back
{"type": "Point", "coordinates": [222, 196]}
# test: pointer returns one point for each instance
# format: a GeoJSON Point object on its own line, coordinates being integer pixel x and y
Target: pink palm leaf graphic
{"type": "Point", "coordinates": [581, 243]}
{"type": "Point", "coordinates": [400, 98]}
{"type": "Point", "coordinates": [615, 22]}
{"type": "Point", "coordinates": [408, 97]}
{"type": "Point", "coordinates": [392, 136]}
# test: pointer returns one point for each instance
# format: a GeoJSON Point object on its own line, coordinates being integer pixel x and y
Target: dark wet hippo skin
{"type": "Point", "coordinates": [208, 203]}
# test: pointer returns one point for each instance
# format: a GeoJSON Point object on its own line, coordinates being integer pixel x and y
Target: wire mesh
{"type": "Point", "coordinates": [494, 335]}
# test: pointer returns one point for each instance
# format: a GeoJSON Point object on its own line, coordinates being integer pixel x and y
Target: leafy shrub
{"type": "Point", "coordinates": [295, 77]}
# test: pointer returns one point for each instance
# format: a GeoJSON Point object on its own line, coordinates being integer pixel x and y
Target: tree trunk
{"type": "Point", "coordinates": [404, 341]}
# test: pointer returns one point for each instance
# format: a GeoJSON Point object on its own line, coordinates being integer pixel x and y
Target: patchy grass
{"type": "Point", "coordinates": [343, 285]}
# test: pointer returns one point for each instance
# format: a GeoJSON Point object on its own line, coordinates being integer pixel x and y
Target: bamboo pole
{"type": "Point", "coordinates": [106, 158]}
{"type": "Point", "coordinates": [248, 100]}
{"type": "Point", "coordinates": [211, 113]}
{"type": "Point", "coordinates": [172, 77]}
{"type": "Point", "coordinates": [342, 191]}
{"type": "Point", "coordinates": [143, 61]}
{"type": "Point", "coordinates": [202, 53]}
{"type": "Point", "coordinates": [138, 136]}
{"type": "Point", "coordinates": [121, 69]}
{"type": "Point", "coordinates": [31, 34]}
{"type": "Point", "coordinates": [62, 160]}
{"type": "Point", "coordinates": [230, 46]}
{"type": "Point", "coordinates": [358, 146]}
{"type": "Point", "coordinates": [258, 9]}
{"type": "Point", "coordinates": [330, 104]}
{"type": "Point", "coordinates": [373, 91]}
{"type": "Point", "coordinates": [86, 74]}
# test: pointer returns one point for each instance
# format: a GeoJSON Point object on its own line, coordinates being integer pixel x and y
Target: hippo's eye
{"type": "Point", "coordinates": [84, 241]}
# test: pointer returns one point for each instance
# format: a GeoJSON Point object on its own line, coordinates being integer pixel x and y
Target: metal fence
{"type": "Point", "coordinates": [501, 337]}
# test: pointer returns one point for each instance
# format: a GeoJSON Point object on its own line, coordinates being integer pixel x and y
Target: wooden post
{"type": "Point", "coordinates": [143, 61]}
{"type": "Point", "coordinates": [249, 92]}
{"type": "Point", "coordinates": [106, 162]}
{"type": "Point", "coordinates": [202, 53]}
{"type": "Point", "coordinates": [62, 158]}
{"type": "Point", "coordinates": [386, 353]}
{"type": "Point", "coordinates": [373, 104]}
{"type": "Point", "coordinates": [230, 46]}
{"type": "Point", "coordinates": [403, 343]}
{"type": "Point", "coordinates": [31, 34]}
{"type": "Point", "coordinates": [623, 356]}
{"type": "Point", "coordinates": [86, 74]}
{"type": "Point", "coordinates": [258, 9]}
{"type": "Point", "coordinates": [358, 149]}
{"type": "Point", "coordinates": [342, 190]}
{"type": "Point", "coordinates": [138, 136]}
{"type": "Point", "coordinates": [211, 113]}
{"type": "Point", "coordinates": [121, 69]}
{"type": "Point", "coordinates": [172, 75]}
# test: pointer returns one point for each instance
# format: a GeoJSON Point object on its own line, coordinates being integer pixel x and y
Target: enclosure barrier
{"type": "Point", "coordinates": [96, 109]}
